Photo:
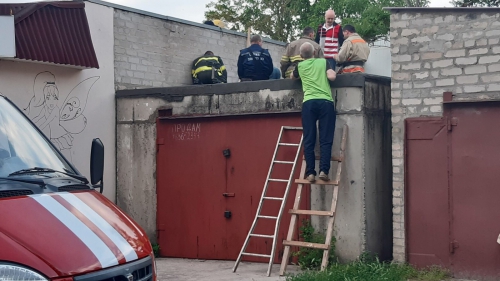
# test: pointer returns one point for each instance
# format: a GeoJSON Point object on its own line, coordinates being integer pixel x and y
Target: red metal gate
{"type": "Point", "coordinates": [211, 168]}
{"type": "Point", "coordinates": [426, 193]}
{"type": "Point", "coordinates": [475, 193]}
{"type": "Point", "coordinates": [453, 190]}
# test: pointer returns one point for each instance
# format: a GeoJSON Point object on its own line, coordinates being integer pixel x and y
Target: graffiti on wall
{"type": "Point", "coordinates": [190, 131]}
{"type": "Point", "coordinates": [60, 121]}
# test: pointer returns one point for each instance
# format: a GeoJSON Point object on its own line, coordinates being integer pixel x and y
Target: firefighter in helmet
{"type": "Point", "coordinates": [208, 69]}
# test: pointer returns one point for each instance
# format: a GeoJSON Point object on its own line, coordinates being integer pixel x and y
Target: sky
{"type": "Point", "coordinates": [192, 10]}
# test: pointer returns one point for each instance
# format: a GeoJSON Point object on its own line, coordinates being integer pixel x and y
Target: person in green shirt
{"type": "Point", "coordinates": [318, 105]}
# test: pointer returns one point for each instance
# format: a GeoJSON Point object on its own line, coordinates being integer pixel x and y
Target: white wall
{"type": "Point", "coordinates": [379, 61]}
{"type": "Point", "coordinates": [8, 46]}
{"type": "Point", "coordinates": [92, 90]}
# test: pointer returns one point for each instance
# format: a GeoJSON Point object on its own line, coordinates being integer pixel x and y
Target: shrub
{"type": "Point", "coordinates": [309, 258]}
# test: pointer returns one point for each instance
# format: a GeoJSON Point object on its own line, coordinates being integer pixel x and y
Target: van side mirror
{"type": "Point", "coordinates": [97, 163]}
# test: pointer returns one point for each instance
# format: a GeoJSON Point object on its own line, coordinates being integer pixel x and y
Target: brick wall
{"type": "Point", "coordinates": [436, 50]}
{"type": "Point", "coordinates": [155, 51]}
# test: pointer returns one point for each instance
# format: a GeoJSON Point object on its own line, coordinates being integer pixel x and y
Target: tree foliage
{"type": "Point", "coordinates": [274, 18]}
{"type": "Point", "coordinates": [476, 3]}
{"type": "Point", "coordinates": [284, 19]}
{"type": "Point", "coordinates": [417, 3]}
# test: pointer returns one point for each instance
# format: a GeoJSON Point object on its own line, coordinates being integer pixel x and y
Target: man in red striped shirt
{"type": "Point", "coordinates": [330, 37]}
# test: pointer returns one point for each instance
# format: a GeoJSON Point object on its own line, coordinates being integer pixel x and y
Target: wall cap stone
{"type": "Point", "coordinates": [177, 93]}
{"type": "Point", "coordinates": [154, 15]}
{"type": "Point", "coordinates": [443, 9]}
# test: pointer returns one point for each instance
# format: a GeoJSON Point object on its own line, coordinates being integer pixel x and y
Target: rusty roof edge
{"type": "Point", "coordinates": [493, 100]}
{"type": "Point", "coordinates": [72, 50]}
{"type": "Point", "coordinates": [342, 81]}
{"type": "Point", "coordinates": [33, 7]}
{"type": "Point", "coordinates": [443, 9]}
{"type": "Point", "coordinates": [81, 67]}
{"type": "Point", "coordinates": [224, 115]}
{"type": "Point", "coordinates": [154, 15]}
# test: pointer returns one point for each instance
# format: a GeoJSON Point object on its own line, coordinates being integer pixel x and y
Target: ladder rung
{"type": "Point", "coordinates": [284, 162]}
{"type": "Point", "coordinates": [278, 180]}
{"type": "Point", "coordinates": [273, 198]}
{"type": "Point", "coordinates": [305, 244]}
{"type": "Point", "coordinates": [262, 236]}
{"type": "Point", "coordinates": [312, 212]}
{"type": "Point", "coordinates": [256, 255]}
{"type": "Point", "coordinates": [320, 182]}
{"type": "Point", "coordinates": [292, 128]}
{"type": "Point", "coordinates": [267, 217]}
{"type": "Point", "coordinates": [288, 144]}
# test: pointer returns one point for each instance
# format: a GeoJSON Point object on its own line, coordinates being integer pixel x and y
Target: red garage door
{"type": "Point", "coordinates": [210, 176]}
{"type": "Point", "coordinates": [453, 190]}
{"type": "Point", "coordinates": [427, 210]}
{"type": "Point", "coordinates": [475, 192]}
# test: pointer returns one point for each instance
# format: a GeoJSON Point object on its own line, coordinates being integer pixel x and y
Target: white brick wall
{"type": "Point", "coordinates": [436, 51]}
{"type": "Point", "coordinates": [154, 52]}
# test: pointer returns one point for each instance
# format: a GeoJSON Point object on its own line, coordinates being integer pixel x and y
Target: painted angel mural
{"type": "Point", "coordinates": [59, 121]}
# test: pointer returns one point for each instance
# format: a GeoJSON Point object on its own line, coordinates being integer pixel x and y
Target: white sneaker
{"type": "Point", "coordinates": [323, 176]}
{"type": "Point", "coordinates": [311, 178]}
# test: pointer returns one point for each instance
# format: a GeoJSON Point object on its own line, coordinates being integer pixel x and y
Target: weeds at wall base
{"type": "Point", "coordinates": [156, 249]}
{"type": "Point", "coordinates": [311, 258]}
{"type": "Point", "coordinates": [371, 271]}
{"type": "Point", "coordinates": [367, 268]}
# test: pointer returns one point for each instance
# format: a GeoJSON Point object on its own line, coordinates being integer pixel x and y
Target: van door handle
{"type": "Point", "coordinates": [228, 194]}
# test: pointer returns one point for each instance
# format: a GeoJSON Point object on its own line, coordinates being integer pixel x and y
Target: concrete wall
{"type": "Point", "coordinates": [94, 88]}
{"type": "Point", "coordinates": [437, 50]}
{"type": "Point", "coordinates": [152, 50]}
{"type": "Point", "coordinates": [378, 172]}
{"type": "Point", "coordinates": [358, 100]}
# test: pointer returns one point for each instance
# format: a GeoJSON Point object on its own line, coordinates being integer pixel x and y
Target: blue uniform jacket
{"type": "Point", "coordinates": [256, 67]}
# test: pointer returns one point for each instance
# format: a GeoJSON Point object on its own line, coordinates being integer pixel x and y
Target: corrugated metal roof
{"type": "Point", "coordinates": [52, 32]}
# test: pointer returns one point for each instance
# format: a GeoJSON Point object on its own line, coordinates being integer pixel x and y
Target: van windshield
{"type": "Point", "coordinates": [22, 146]}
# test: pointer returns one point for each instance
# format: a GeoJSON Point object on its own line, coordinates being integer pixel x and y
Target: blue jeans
{"type": "Point", "coordinates": [323, 111]}
{"type": "Point", "coordinates": [333, 63]}
{"type": "Point", "coordinates": [276, 73]}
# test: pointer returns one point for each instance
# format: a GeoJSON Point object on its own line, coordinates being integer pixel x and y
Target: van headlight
{"type": "Point", "coordinates": [10, 272]}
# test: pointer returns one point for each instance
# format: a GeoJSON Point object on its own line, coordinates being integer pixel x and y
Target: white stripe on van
{"type": "Point", "coordinates": [85, 234]}
{"type": "Point", "coordinates": [102, 224]}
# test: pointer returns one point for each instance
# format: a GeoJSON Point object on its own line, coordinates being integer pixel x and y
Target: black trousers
{"type": "Point", "coordinates": [205, 77]}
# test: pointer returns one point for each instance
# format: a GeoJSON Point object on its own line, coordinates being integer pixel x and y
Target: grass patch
{"type": "Point", "coordinates": [367, 268]}
{"type": "Point", "coordinates": [432, 273]}
{"type": "Point", "coordinates": [373, 270]}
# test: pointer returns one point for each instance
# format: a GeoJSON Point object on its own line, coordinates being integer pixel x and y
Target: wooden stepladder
{"type": "Point", "coordinates": [331, 213]}
{"type": "Point", "coordinates": [264, 197]}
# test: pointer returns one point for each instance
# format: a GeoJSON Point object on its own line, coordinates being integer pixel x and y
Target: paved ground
{"type": "Point", "coordinates": [208, 270]}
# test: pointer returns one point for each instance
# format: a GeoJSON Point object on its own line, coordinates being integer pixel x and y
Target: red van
{"type": "Point", "coordinates": [54, 225]}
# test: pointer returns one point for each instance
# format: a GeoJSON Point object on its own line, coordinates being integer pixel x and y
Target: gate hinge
{"type": "Point", "coordinates": [453, 245]}
{"type": "Point", "coordinates": [452, 122]}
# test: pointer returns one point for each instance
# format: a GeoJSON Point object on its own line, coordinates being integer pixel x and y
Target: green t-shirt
{"type": "Point", "coordinates": [315, 83]}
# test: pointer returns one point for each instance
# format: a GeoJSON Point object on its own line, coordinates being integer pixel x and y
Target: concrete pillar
{"type": "Point", "coordinates": [365, 192]}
